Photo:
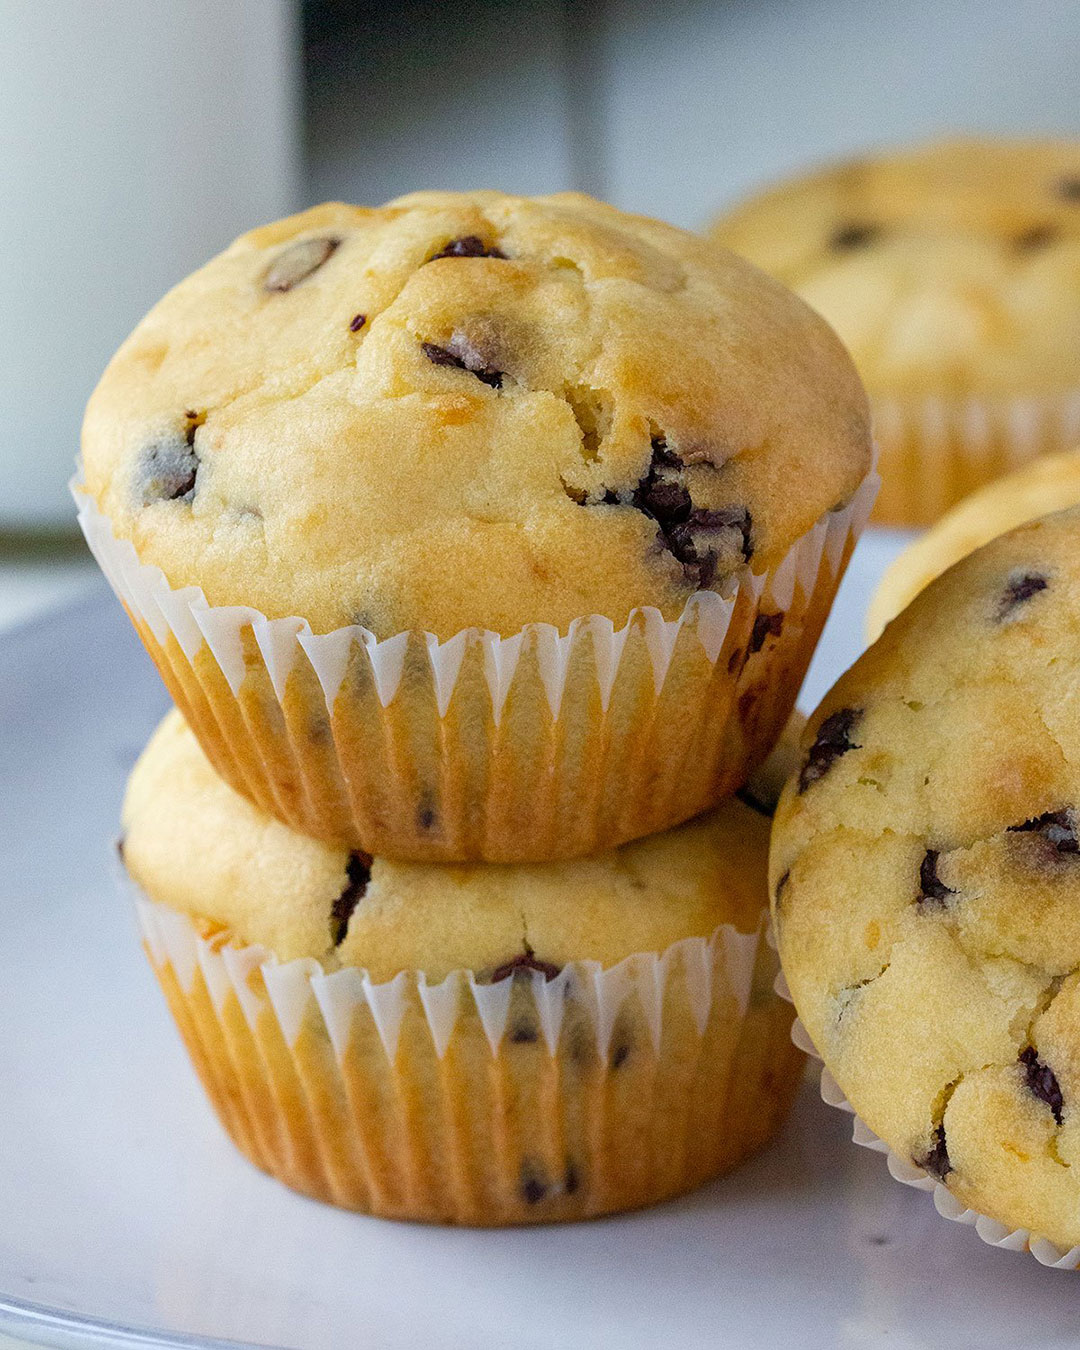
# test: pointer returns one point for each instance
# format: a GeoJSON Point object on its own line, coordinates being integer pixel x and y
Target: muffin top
{"type": "Point", "coordinates": [1047, 484]}
{"type": "Point", "coordinates": [948, 269]}
{"type": "Point", "coordinates": [471, 410]}
{"type": "Point", "coordinates": [926, 873]}
{"type": "Point", "coordinates": [258, 881]}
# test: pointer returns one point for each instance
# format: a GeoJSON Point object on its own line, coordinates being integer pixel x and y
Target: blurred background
{"type": "Point", "coordinates": [137, 137]}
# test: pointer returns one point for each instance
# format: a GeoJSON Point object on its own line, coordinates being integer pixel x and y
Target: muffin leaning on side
{"type": "Point", "coordinates": [925, 868]}
{"type": "Point", "coordinates": [952, 272]}
{"type": "Point", "coordinates": [1038, 489]}
{"type": "Point", "coordinates": [558, 496]}
{"type": "Point", "coordinates": [484, 1044]}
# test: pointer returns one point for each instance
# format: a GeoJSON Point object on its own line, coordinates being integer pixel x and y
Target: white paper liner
{"type": "Point", "coordinates": [934, 450]}
{"type": "Point", "coordinates": [993, 1233]}
{"type": "Point", "coordinates": [297, 988]}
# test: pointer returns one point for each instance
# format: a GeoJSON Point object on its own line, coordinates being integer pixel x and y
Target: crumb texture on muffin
{"type": "Point", "coordinates": [192, 843]}
{"type": "Point", "coordinates": [471, 410]}
{"type": "Point", "coordinates": [950, 268]}
{"type": "Point", "coordinates": [926, 879]}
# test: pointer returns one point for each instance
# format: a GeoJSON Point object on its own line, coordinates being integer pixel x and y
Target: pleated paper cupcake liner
{"type": "Point", "coordinates": [934, 451]}
{"type": "Point", "coordinates": [541, 745]}
{"type": "Point", "coordinates": [528, 1100]}
{"type": "Point", "coordinates": [993, 1233]}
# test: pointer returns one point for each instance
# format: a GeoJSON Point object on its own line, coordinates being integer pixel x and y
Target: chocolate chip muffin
{"type": "Point", "coordinates": [410, 503]}
{"type": "Point", "coordinates": [925, 870]}
{"type": "Point", "coordinates": [952, 272]}
{"type": "Point", "coordinates": [1048, 484]}
{"type": "Point", "coordinates": [477, 1044]}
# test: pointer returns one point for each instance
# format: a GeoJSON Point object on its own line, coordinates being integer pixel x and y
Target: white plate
{"type": "Point", "coordinates": [126, 1217]}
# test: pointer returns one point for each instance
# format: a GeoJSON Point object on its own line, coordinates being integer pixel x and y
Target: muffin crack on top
{"type": "Point", "coordinates": [569, 410]}
{"type": "Point", "coordinates": [926, 883]}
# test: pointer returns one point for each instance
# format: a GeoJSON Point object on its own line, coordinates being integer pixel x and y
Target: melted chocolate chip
{"type": "Point", "coordinates": [1038, 237]}
{"type": "Point", "coordinates": [1068, 189]}
{"type": "Point", "coordinates": [765, 626]}
{"type": "Point", "coordinates": [933, 893]}
{"type": "Point", "coordinates": [468, 246]}
{"type": "Point", "coordinates": [1041, 1081]}
{"type": "Point", "coordinates": [833, 740]}
{"type": "Point", "coordinates": [1019, 589]}
{"type": "Point", "coordinates": [534, 1183]}
{"type": "Point", "coordinates": [167, 468]}
{"type": "Point", "coordinates": [855, 235]}
{"type": "Point", "coordinates": [704, 537]}
{"type": "Point", "coordinates": [460, 354]}
{"type": "Point", "coordinates": [357, 322]}
{"type": "Point", "coordinates": [936, 1159]}
{"type": "Point", "coordinates": [1055, 828]}
{"type": "Point", "coordinates": [297, 262]}
{"type": "Point", "coordinates": [358, 871]}
{"type": "Point", "coordinates": [526, 960]}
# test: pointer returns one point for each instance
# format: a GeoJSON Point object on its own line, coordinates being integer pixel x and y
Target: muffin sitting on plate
{"type": "Point", "coordinates": [952, 272]}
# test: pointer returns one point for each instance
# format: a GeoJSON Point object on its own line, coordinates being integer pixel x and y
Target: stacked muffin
{"type": "Point", "coordinates": [476, 539]}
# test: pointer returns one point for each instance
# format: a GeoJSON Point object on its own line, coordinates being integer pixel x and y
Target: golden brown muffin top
{"type": "Point", "coordinates": [471, 409]}
{"type": "Point", "coordinates": [951, 268]}
{"type": "Point", "coordinates": [192, 843]}
{"type": "Point", "coordinates": [926, 872]}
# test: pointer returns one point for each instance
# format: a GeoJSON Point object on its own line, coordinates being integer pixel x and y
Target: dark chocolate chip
{"type": "Point", "coordinates": [1037, 238]}
{"type": "Point", "coordinates": [168, 467]}
{"type": "Point", "coordinates": [469, 246]}
{"type": "Point", "coordinates": [534, 1183]}
{"type": "Point", "coordinates": [1068, 189]}
{"type": "Point", "coordinates": [765, 626]}
{"type": "Point", "coordinates": [833, 740]}
{"type": "Point", "coordinates": [1041, 1081]}
{"type": "Point", "coordinates": [523, 1033]}
{"type": "Point", "coordinates": [357, 322]}
{"type": "Point", "coordinates": [460, 354]}
{"type": "Point", "coordinates": [854, 235]}
{"type": "Point", "coordinates": [358, 871]}
{"type": "Point", "coordinates": [704, 537]}
{"type": "Point", "coordinates": [1019, 589]}
{"type": "Point", "coordinates": [620, 1055]}
{"type": "Point", "coordinates": [663, 454]}
{"type": "Point", "coordinates": [933, 893]}
{"type": "Point", "coordinates": [571, 1180]}
{"type": "Point", "coordinates": [297, 262]}
{"type": "Point", "coordinates": [1056, 828]}
{"type": "Point", "coordinates": [936, 1159]}
{"type": "Point", "coordinates": [526, 960]}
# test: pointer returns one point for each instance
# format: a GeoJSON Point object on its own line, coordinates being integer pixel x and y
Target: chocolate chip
{"type": "Point", "coordinates": [936, 1159]}
{"type": "Point", "coordinates": [468, 246]}
{"type": "Point", "coordinates": [1055, 828]}
{"type": "Point", "coordinates": [460, 354]}
{"type": "Point", "coordinates": [526, 960]}
{"type": "Point", "coordinates": [1041, 1081]}
{"type": "Point", "coordinates": [933, 893]}
{"type": "Point", "coordinates": [523, 1033]}
{"type": "Point", "coordinates": [1019, 589]}
{"type": "Point", "coordinates": [358, 871]}
{"type": "Point", "coordinates": [1036, 238]}
{"type": "Point", "coordinates": [534, 1183]}
{"type": "Point", "coordinates": [855, 235]}
{"type": "Point", "coordinates": [297, 262]}
{"type": "Point", "coordinates": [765, 626]}
{"type": "Point", "coordinates": [571, 1180]}
{"type": "Point", "coordinates": [620, 1055]}
{"type": "Point", "coordinates": [1068, 189]}
{"type": "Point", "coordinates": [833, 740]}
{"type": "Point", "coordinates": [704, 537]}
{"type": "Point", "coordinates": [357, 322]}
{"type": "Point", "coordinates": [167, 468]}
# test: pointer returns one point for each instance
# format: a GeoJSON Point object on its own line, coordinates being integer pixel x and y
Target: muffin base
{"type": "Point", "coordinates": [537, 746]}
{"type": "Point", "coordinates": [527, 1101]}
{"type": "Point", "coordinates": [934, 451]}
